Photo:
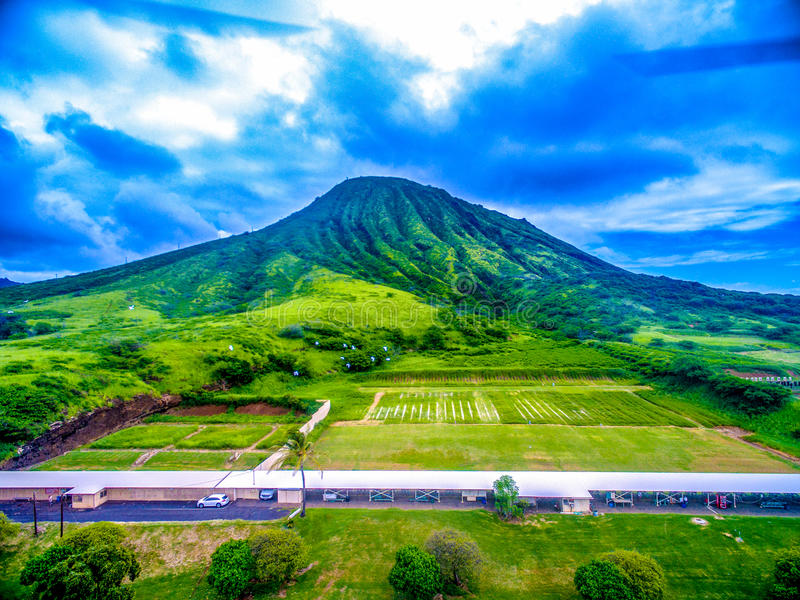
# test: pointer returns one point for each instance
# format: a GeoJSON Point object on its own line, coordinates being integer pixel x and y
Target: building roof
{"type": "Point", "coordinates": [543, 484]}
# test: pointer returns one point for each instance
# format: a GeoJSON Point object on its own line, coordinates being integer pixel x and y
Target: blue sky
{"type": "Point", "coordinates": [663, 136]}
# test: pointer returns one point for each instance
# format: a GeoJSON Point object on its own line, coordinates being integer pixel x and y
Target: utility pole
{"type": "Point", "coordinates": [61, 502]}
{"type": "Point", "coordinates": [35, 522]}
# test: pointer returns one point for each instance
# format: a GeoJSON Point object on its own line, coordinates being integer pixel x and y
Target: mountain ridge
{"type": "Point", "coordinates": [412, 237]}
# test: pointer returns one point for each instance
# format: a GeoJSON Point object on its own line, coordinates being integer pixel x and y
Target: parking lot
{"type": "Point", "coordinates": [249, 510]}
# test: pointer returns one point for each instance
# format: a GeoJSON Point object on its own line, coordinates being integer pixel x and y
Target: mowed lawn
{"type": "Point", "coordinates": [567, 405]}
{"type": "Point", "coordinates": [93, 460]}
{"type": "Point", "coordinates": [145, 436]}
{"type": "Point", "coordinates": [215, 437]}
{"type": "Point", "coordinates": [353, 550]}
{"type": "Point", "coordinates": [540, 447]}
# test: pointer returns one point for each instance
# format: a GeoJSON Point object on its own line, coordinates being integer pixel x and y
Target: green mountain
{"type": "Point", "coordinates": [422, 240]}
{"type": "Point", "coordinates": [5, 282]}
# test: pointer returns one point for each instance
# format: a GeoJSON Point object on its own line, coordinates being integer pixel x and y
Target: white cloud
{"type": "Point", "coordinates": [184, 122]}
{"type": "Point", "coordinates": [721, 195]}
{"type": "Point", "coordinates": [58, 205]}
{"type": "Point", "coordinates": [674, 260]}
{"type": "Point", "coordinates": [448, 36]}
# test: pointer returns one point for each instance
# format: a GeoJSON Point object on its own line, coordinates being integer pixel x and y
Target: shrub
{"type": "Point", "coordinates": [8, 529]}
{"type": "Point", "coordinates": [278, 554]}
{"type": "Point", "coordinates": [292, 332]}
{"type": "Point", "coordinates": [602, 580]}
{"type": "Point", "coordinates": [234, 371]}
{"type": "Point", "coordinates": [232, 568]}
{"type": "Point", "coordinates": [458, 556]}
{"type": "Point", "coordinates": [43, 328]}
{"type": "Point", "coordinates": [787, 576]}
{"type": "Point", "coordinates": [645, 575]}
{"type": "Point", "coordinates": [89, 564]}
{"type": "Point", "coordinates": [433, 339]}
{"type": "Point", "coordinates": [415, 574]}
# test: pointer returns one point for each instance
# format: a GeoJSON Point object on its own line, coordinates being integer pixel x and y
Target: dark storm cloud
{"type": "Point", "coordinates": [111, 150]}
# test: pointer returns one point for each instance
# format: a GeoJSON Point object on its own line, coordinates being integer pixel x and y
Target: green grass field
{"type": "Point", "coordinates": [215, 437]}
{"type": "Point", "coordinates": [77, 460]}
{"type": "Point", "coordinates": [186, 461]}
{"type": "Point", "coordinates": [540, 447]}
{"type": "Point", "coordinates": [570, 405]}
{"type": "Point", "coordinates": [353, 551]}
{"type": "Point", "coordinates": [145, 436]}
{"type": "Point", "coordinates": [276, 438]}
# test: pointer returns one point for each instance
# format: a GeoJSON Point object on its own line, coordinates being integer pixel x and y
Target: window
{"type": "Point", "coordinates": [103, 493]}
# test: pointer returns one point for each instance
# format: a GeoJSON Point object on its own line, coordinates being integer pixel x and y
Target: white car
{"type": "Point", "coordinates": [215, 500]}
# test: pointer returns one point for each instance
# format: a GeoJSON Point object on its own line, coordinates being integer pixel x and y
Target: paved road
{"type": "Point", "coordinates": [248, 510]}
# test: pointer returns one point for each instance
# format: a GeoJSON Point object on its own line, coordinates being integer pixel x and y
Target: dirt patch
{"type": "Point", "coordinates": [699, 521]}
{"type": "Point", "coordinates": [741, 434]}
{"type": "Point", "coordinates": [735, 432]}
{"type": "Point", "coordinates": [205, 410]}
{"type": "Point", "coordinates": [260, 408]}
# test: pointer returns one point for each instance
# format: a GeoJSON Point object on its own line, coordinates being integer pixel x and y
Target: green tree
{"type": "Point", "coordinates": [88, 564]}
{"type": "Point", "coordinates": [787, 576]}
{"type": "Point", "coordinates": [416, 574]}
{"type": "Point", "coordinates": [433, 339]}
{"type": "Point", "coordinates": [458, 556]}
{"type": "Point", "coordinates": [299, 453]}
{"type": "Point", "coordinates": [8, 529]}
{"type": "Point", "coordinates": [232, 568]}
{"type": "Point", "coordinates": [602, 580]}
{"type": "Point", "coordinates": [645, 575]}
{"type": "Point", "coordinates": [506, 497]}
{"type": "Point", "coordinates": [279, 554]}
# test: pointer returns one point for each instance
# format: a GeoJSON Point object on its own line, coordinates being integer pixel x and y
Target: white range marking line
{"type": "Point", "coordinates": [461, 406]}
{"type": "Point", "coordinates": [396, 410]}
{"type": "Point", "coordinates": [413, 407]}
{"type": "Point", "coordinates": [520, 412]}
{"type": "Point", "coordinates": [378, 416]}
{"type": "Point", "coordinates": [401, 395]}
{"type": "Point", "coordinates": [469, 406]}
{"type": "Point", "coordinates": [496, 414]}
{"type": "Point", "coordinates": [550, 408]}
{"type": "Point", "coordinates": [403, 416]}
{"type": "Point", "coordinates": [437, 411]}
{"type": "Point", "coordinates": [546, 410]}
{"type": "Point", "coordinates": [429, 411]}
{"type": "Point", "coordinates": [525, 408]}
{"type": "Point", "coordinates": [478, 410]}
{"type": "Point", "coordinates": [583, 411]}
{"type": "Point", "coordinates": [455, 416]}
{"type": "Point", "coordinates": [538, 414]}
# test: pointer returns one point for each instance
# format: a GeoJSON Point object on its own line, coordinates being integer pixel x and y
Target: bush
{"type": "Point", "coordinates": [90, 563]}
{"type": "Point", "coordinates": [645, 575]}
{"type": "Point", "coordinates": [232, 568]}
{"type": "Point", "coordinates": [43, 328]}
{"type": "Point", "coordinates": [602, 580]}
{"type": "Point", "coordinates": [278, 554]}
{"type": "Point", "coordinates": [787, 576]}
{"type": "Point", "coordinates": [292, 332]}
{"type": "Point", "coordinates": [458, 556]}
{"type": "Point", "coordinates": [415, 574]}
{"type": "Point", "coordinates": [234, 371]}
{"type": "Point", "coordinates": [8, 529]}
{"type": "Point", "coordinates": [434, 339]}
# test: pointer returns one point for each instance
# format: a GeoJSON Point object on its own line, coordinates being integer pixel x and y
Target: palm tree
{"type": "Point", "coordinates": [299, 452]}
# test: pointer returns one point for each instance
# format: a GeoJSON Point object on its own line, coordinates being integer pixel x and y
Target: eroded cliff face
{"type": "Point", "coordinates": [87, 427]}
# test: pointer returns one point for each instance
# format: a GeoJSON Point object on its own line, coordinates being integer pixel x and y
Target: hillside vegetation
{"type": "Point", "coordinates": [384, 281]}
